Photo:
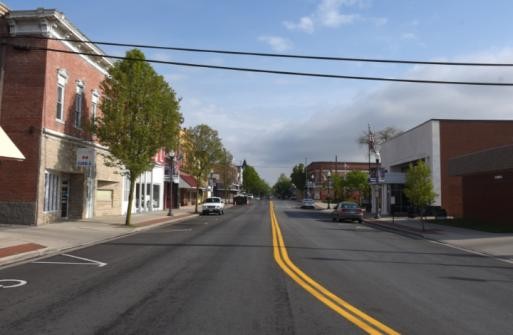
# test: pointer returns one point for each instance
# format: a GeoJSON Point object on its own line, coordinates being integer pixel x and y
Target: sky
{"type": "Point", "coordinates": [274, 121]}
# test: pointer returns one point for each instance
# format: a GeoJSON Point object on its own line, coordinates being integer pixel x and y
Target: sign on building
{"type": "Point", "coordinates": [85, 157]}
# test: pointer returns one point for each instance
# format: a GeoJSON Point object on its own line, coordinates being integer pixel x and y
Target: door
{"type": "Point", "coordinates": [64, 198]}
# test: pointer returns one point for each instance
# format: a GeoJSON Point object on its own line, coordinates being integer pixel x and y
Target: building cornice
{"type": "Point", "coordinates": [52, 23]}
{"type": "Point", "coordinates": [73, 139]}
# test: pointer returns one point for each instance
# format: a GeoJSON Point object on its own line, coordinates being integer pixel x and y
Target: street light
{"type": "Point", "coordinates": [312, 186]}
{"type": "Point", "coordinates": [171, 156]}
{"type": "Point", "coordinates": [328, 175]}
{"type": "Point", "coordinates": [378, 187]}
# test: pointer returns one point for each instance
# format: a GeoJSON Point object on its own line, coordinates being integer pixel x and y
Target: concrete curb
{"type": "Point", "coordinates": [26, 257]}
{"type": "Point", "coordinates": [376, 224]}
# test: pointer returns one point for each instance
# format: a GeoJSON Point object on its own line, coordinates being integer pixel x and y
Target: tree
{"type": "Point", "coordinates": [226, 171]}
{"type": "Point", "coordinates": [419, 186]}
{"type": "Point", "coordinates": [140, 115]}
{"type": "Point", "coordinates": [380, 137]}
{"type": "Point", "coordinates": [357, 184]}
{"type": "Point", "coordinates": [203, 150]}
{"type": "Point", "coordinates": [283, 187]}
{"type": "Point", "coordinates": [298, 177]}
{"type": "Point", "coordinates": [252, 183]}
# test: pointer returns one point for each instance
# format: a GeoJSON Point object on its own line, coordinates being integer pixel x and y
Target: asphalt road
{"type": "Point", "coordinates": [219, 275]}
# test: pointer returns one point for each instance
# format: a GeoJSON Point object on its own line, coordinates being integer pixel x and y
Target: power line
{"type": "Point", "coordinates": [255, 70]}
{"type": "Point", "coordinates": [264, 54]}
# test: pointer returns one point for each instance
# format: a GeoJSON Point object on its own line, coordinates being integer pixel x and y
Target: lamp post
{"type": "Point", "coordinates": [312, 184]}
{"type": "Point", "coordinates": [378, 187]}
{"type": "Point", "coordinates": [171, 156]}
{"type": "Point", "coordinates": [328, 175]}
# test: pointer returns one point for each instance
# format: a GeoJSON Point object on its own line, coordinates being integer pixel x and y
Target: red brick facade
{"type": "Point", "coordinates": [459, 137]}
{"type": "Point", "coordinates": [28, 114]}
{"type": "Point", "coordinates": [319, 172]}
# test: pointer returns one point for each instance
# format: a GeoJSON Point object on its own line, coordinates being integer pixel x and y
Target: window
{"type": "Point", "coordinates": [62, 78]}
{"type": "Point", "coordinates": [126, 188]}
{"type": "Point", "coordinates": [52, 185]}
{"type": "Point", "coordinates": [79, 102]}
{"type": "Point", "coordinates": [94, 106]}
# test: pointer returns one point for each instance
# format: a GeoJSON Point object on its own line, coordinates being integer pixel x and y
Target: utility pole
{"type": "Point", "coordinates": [306, 182]}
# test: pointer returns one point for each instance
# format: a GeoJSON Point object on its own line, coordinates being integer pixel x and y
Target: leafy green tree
{"type": "Point", "coordinates": [337, 183]}
{"type": "Point", "coordinates": [252, 183]}
{"type": "Point", "coordinates": [356, 183]}
{"type": "Point", "coordinates": [419, 186]}
{"type": "Point", "coordinates": [140, 115]}
{"type": "Point", "coordinates": [298, 177]}
{"type": "Point", "coordinates": [283, 187]}
{"type": "Point", "coordinates": [226, 171]}
{"type": "Point", "coordinates": [203, 149]}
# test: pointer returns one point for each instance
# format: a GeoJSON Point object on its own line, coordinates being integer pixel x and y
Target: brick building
{"type": "Point", "coordinates": [318, 176]}
{"type": "Point", "coordinates": [436, 142]}
{"type": "Point", "coordinates": [46, 98]}
{"type": "Point", "coordinates": [487, 184]}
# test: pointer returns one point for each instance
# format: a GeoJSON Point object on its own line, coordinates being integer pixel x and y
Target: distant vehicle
{"type": "Point", "coordinates": [240, 199]}
{"type": "Point", "coordinates": [213, 205]}
{"type": "Point", "coordinates": [308, 203]}
{"type": "Point", "coordinates": [293, 197]}
{"type": "Point", "coordinates": [250, 196]}
{"type": "Point", "coordinates": [347, 210]}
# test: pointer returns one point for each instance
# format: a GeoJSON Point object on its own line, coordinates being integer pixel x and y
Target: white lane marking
{"type": "Point", "coordinates": [189, 229]}
{"type": "Point", "coordinates": [88, 261]}
{"type": "Point", "coordinates": [14, 283]}
{"type": "Point", "coordinates": [484, 254]}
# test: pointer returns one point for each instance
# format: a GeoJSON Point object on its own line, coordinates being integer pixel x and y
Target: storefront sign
{"type": "Point", "coordinates": [85, 157]}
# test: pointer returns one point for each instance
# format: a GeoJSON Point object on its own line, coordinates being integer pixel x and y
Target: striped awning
{"type": "Point", "coordinates": [8, 150]}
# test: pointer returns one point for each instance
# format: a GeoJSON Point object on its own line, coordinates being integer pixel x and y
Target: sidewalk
{"type": "Point", "coordinates": [19, 243]}
{"type": "Point", "coordinates": [490, 244]}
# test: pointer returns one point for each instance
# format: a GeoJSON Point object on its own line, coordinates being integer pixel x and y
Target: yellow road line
{"type": "Point", "coordinates": [337, 304]}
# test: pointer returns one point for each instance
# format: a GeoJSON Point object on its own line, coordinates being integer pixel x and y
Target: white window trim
{"type": "Point", "coordinates": [95, 99]}
{"type": "Point", "coordinates": [79, 104]}
{"type": "Point", "coordinates": [62, 80]}
{"type": "Point", "coordinates": [51, 202]}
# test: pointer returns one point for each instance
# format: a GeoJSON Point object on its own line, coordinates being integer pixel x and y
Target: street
{"type": "Point", "coordinates": [219, 275]}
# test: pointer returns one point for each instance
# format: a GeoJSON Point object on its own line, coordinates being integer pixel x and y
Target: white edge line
{"type": "Point", "coordinates": [100, 264]}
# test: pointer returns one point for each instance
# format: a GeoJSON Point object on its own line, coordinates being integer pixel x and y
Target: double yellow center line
{"type": "Point", "coordinates": [343, 308]}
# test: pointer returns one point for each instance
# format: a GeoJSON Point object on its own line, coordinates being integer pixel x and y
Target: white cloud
{"type": "Point", "coordinates": [399, 104]}
{"type": "Point", "coordinates": [278, 44]}
{"type": "Point", "coordinates": [305, 24]}
{"type": "Point", "coordinates": [329, 13]}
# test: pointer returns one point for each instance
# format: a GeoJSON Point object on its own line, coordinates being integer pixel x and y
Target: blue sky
{"type": "Point", "coordinates": [275, 122]}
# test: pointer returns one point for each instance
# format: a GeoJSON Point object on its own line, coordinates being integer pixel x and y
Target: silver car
{"type": "Point", "coordinates": [347, 210]}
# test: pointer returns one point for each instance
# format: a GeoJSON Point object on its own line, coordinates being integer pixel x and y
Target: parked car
{"type": "Point", "coordinates": [213, 205]}
{"type": "Point", "coordinates": [347, 210]}
{"type": "Point", "coordinates": [308, 203]}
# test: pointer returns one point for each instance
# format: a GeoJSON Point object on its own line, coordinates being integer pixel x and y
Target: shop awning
{"type": "Point", "coordinates": [8, 150]}
{"type": "Point", "coordinates": [187, 181]}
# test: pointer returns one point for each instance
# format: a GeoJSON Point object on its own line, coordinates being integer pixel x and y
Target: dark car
{"type": "Point", "coordinates": [347, 210]}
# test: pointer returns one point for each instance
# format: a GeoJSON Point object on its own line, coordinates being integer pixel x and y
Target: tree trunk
{"type": "Point", "coordinates": [197, 195]}
{"type": "Point", "coordinates": [130, 200]}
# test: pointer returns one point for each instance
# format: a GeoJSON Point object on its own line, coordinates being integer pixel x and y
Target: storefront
{"type": "Point", "coordinates": [148, 191]}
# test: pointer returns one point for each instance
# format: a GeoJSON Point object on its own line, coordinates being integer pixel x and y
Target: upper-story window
{"type": "Point", "coordinates": [79, 103]}
{"type": "Point", "coordinates": [62, 79]}
{"type": "Point", "coordinates": [94, 105]}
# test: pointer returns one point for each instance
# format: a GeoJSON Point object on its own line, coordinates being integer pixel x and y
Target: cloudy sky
{"type": "Point", "coordinates": [276, 121]}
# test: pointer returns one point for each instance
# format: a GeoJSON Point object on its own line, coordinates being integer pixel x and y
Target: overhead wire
{"type": "Point", "coordinates": [264, 54]}
{"type": "Point", "coordinates": [256, 70]}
